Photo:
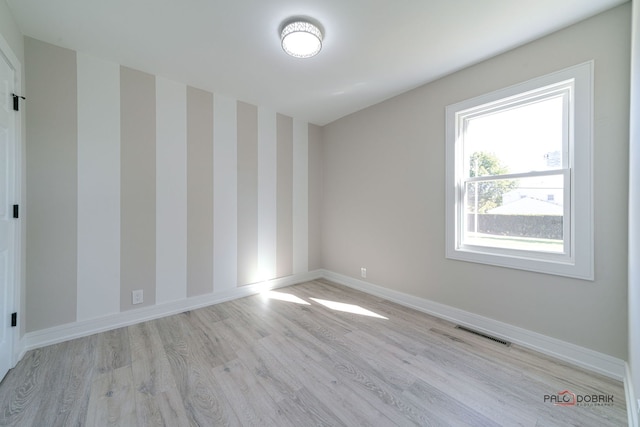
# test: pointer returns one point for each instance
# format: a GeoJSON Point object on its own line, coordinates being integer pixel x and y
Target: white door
{"type": "Point", "coordinates": [8, 225]}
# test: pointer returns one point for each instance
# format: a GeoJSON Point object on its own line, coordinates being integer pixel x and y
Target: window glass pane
{"type": "Point", "coordinates": [521, 139]}
{"type": "Point", "coordinates": [525, 213]}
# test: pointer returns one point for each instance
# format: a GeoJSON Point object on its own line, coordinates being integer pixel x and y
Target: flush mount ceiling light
{"type": "Point", "coordinates": [301, 39]}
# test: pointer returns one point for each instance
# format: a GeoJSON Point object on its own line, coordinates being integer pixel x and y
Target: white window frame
{"type": "Point", "coordinates": [576, 85]}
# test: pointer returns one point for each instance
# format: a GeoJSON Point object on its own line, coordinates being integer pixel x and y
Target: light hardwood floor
{"type": "Point", "coordinates": [288, 359]}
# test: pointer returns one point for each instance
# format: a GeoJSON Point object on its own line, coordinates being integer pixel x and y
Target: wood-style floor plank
{"type": "Point", "coordinates": [157, 399]}
{"type": "Point", "coordinates": [191, 365]}
{"type": "Point", "coordinates": [311, 354]}
{"type": "Point", "coordinates": [112, 399]}
{"type": "Point", "coordinates": [113, 350]}
{"type": "Point", "coordinates": [23, 389]}
{"type": "Point", "coordinates": [69, 386]}
{"type": "Point", "coordinates": [346, 403]}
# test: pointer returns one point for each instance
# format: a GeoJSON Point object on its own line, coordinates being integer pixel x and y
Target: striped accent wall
{"type": "Point", "coordinates": [52, 186]}
{"type": "Point", "coordinates": [284, 195]}
{"type": "Point", "coordinates": [267, 195]}
{"type": "Point", "coordinates": [136, 182]}
{"type": "Point", "coordinates": [247, 193]}
{"type": "Point", "coordinates": [225, 193]}
{"type": "Point", "coordinates": [171, 191]}
{"type": "Point", "coordinates": [300, 197]}
{"type": "Point", "coordinates": [98, 196]}
{"type": "Point", "coordinates": [137, 186]}
{"type": "Point", "coordinates": [199, 192]}
{"type": "Point", "coordinates": [314, 176]}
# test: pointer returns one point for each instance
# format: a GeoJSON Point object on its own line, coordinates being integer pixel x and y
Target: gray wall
{"type": "Point", "coordinates": [199, 192]}
{"type": "Point", "coordinates": [137, 186]}
{"type": "Point", "coordinates": [315, 196]}
{"type": "Point", "coordinates": [51, 208]}
{"type": "Point", "coordinates": [383, 198]}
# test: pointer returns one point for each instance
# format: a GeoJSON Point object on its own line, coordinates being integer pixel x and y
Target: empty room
{"type": "Point", "coordinates": [319, 212]}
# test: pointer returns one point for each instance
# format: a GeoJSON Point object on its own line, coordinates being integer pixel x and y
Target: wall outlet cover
{"type": "Point", "coordinates": [137, 296]}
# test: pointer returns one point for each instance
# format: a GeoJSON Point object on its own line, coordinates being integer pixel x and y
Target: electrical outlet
{"type": "Point", "coordinates": [137, 296]}
{"type": "Point", "coordinates": [363, 272]}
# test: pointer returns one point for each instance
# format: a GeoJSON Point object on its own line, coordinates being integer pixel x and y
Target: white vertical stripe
{"type": "Point", "coordinates": [300, 197]}
{"type": "Point", "coordinates": [225, 193]}
{"type": "Point", "coordinates": [171, 191]}
{"type": "Point", "coordinates": [267, 194]}
{"type": "Point", "coordinates": [98, 188]}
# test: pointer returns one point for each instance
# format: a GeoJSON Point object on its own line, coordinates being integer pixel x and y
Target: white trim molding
{"type": "Point", "coordinates": [574, 86]}
{"type": "Point", "coordinates": [583, 357]}
{"type": "Point", "coordinates": [633, 405]}
{"type": "Point", "coordinates": [18, 267]}
{"type": "Point", "coordinates": [69, 331]}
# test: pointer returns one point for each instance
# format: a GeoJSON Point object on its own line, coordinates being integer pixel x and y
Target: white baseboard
{"type": "Point", "coordinates": [589, 359]}
{"type": "Point", "coordinates": [57, 334]}
{"type": "Point", "coordinates": [630, 395]}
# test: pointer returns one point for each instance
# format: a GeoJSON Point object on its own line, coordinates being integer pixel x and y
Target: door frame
{"type": "Point", "coordinates": [15, 288]}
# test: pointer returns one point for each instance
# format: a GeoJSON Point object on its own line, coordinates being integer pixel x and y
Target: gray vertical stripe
{"type": "Point", "coordinates": [247, 119]}
{"type": "Point", "coordinates": [315, 195]}
{"type": "Point", "coordinates": [138, 186]}
{"type": "Point", "coordinates": [51, 170]}
{"type": "Point", "coordinates": [284, 196]}
{"type": "Point", "coordinates": [199, 192]}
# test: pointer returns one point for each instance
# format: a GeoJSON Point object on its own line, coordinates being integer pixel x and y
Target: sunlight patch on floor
{"type": "Point", "coordinates": [348, 308]}
{"type": "Point", "coordinates": [282, 296]}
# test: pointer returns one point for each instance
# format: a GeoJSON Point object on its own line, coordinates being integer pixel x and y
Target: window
{"type": "Point", "coordinates": [519, 176]}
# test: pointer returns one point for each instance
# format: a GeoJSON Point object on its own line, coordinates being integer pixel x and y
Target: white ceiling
{"type": "Point", "coordinates": [373, 49]}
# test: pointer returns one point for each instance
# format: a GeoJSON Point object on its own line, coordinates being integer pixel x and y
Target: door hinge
{"type": "Point", "coordinates": [14, 320]}
{"type": "Point", "coordinates": [16, 101]}
{"type": "Point", "coordinates": [16, 211]}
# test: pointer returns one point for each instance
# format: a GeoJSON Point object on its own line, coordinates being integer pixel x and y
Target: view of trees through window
{"type": "Point", "coordinates": [534, 222]}
{"type": "Point", "coordinates": [514, 179]}
{"type": "Point", "coordinates": [489, 193]}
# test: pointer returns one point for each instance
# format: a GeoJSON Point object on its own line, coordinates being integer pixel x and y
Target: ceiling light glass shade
{"type": "Point", "coordinates": [301, 39]}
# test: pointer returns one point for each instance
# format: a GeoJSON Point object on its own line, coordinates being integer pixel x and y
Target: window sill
{"type": "Point", "coordinates": [520, 261]}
